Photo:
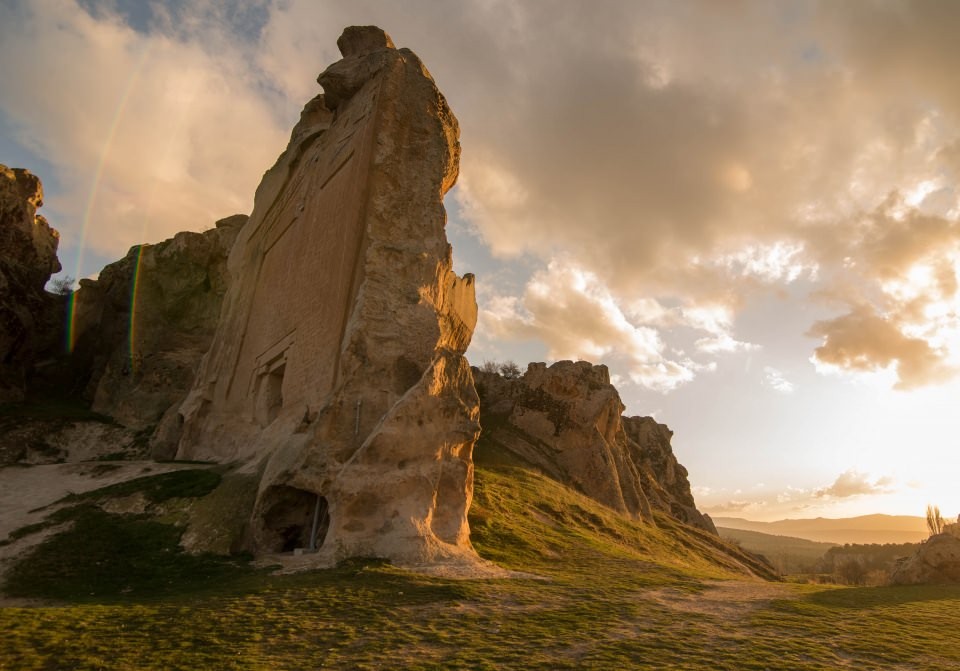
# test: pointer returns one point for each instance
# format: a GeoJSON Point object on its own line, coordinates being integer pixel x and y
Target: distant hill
{"type": "Point", "coordinates": [863, 529]}
{"type": "Point", "coordinates": [786, 553]}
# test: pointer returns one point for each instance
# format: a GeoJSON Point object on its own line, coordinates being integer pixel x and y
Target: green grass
{"type": "Point", "coordinates": [49, 408]}
{"type": "Point", "coordinates": [191, 483]}
{"type": "Point", "coordinates": [104, 557]}
{"type": "Point", "coordinates": [605, 593]}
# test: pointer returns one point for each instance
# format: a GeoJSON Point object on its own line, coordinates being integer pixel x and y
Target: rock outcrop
{"type": "Point", "coordinates": [566, 419]}
{"type": "Point", "coordinates": [337, 368]}
{"type": "Point", "coordinates": [28, 256]}
{"type": "Point", "coordinates": [937, 560]}
{"type": "Point", "coordinates": [141, 329]}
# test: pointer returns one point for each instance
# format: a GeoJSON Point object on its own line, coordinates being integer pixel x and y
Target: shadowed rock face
{"type": "Point", "coordinates": [142, 327]}
{"type": "Point", "coordinates": [566, 420]}
{"type": "Point", "coordinates": [28, 256]}
{"type": "Point", "coordinates": [337, 368]}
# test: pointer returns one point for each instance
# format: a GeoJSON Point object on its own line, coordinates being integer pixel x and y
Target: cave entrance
{"type": "Point", "coordinates": [294, 519]}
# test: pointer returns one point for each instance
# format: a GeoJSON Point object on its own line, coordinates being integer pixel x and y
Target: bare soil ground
{"type": "Point", "coordinates": [725, 600]}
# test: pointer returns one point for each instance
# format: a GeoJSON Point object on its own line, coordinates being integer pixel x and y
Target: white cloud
{"type": "Point", "coordinates": [774, 379]}
{"type": "Point", "coordinates": [854, 483]}
{"type": "Point", "coordinates": [734, 506]}
{"type": "Point", "coordinates": [571, 311]}
{"type": "Point", "coordinates": [724, 342]}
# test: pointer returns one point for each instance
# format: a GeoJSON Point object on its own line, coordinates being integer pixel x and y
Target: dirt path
{"type": "Point", "coordinates": [724, 600]}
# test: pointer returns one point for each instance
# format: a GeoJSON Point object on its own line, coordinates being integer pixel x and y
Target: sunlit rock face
{"type": "Point", "coordinates": [566, 419]}
{"type": "Point", "coordinates": [337, 368]}
{"type": "Point", "coordinates": [28, 256]}
{"type": "Point", "coordinates": [937, 560]}
{"type": "Point", "coordinates": [142, 327]}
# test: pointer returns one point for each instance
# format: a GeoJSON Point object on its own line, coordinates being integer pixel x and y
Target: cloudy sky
{"type": "Point", "coordinates": [747, 210]}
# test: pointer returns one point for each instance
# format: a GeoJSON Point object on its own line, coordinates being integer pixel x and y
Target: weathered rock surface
{"type": "Point", "coordinates": [566, 420]}
{"type": "Point", "coordinates": [337, 369]}
{"type": "Point", "coordinates": [28, 256]}
{"type": "Point", "coordinates": [142, 328]}
{"type": "Point", "coordinates": [936, 560]}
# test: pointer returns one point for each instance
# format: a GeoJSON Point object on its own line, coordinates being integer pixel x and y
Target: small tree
{"type": "Point", "coordinates": [62, 286]}
{"type": "Point", "coordinates": [489, 366]}
{"type": "Point", "coordinates": [934, 520]}
{"type": "Point", "coordinates": [510, 370]}
{"type": "Point", "coordinates": [852, 571]}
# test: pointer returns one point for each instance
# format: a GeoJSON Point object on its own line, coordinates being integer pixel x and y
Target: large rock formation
{"type": "Point", "coordinates": [566, 419]}
{"type": "Point", "coordinates": [141, 329]}
{"type": "Point", "coordinates": [337, 368]}
{"type": "Point", "coordinates": [28, 256]}
{"type": "Point", "coordinates": [936, 560]}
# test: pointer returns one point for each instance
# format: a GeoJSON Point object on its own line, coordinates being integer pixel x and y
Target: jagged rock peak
{"type": "Point", "coordinates": [366, 51]}
{"type": "Point", "coordinates": [361, 40]}
{"type": "Point", "coordinates": [567, 420]}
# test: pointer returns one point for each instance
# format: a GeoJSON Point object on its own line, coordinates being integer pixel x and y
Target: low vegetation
{"type": "Point", "coordinates": [597, 591]}
{"type": "Point", "coordinates": [788, 555]}
{"type": "Point", "coordinates": [860, 564]}
{"type": "Point", "coordinates": [934, 520]}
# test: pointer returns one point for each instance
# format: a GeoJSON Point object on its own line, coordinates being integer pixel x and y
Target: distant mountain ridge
{"type": "Point", "coordinates": [875, 528]}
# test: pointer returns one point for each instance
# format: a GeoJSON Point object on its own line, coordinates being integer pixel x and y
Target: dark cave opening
{"type": "Point", "coordinates": [293, 517]}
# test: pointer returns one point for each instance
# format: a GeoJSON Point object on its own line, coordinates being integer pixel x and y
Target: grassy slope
{"type": "Point", "coordinates": [598, 603]}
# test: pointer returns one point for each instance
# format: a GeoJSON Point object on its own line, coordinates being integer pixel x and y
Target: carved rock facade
{"type": "Point", "coordinates": [337, 368]}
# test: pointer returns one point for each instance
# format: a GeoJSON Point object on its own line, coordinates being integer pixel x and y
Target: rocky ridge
{"type": "Point", "coordinates": [566, 419]}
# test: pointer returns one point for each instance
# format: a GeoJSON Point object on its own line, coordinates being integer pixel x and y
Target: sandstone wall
{"type": "Point", "coordinates": [337, 368]}
{"type": "Point", "coordinates": [566, 419]}
{"type": "Point", "coordinates": [143, 326]}
{"type": "Point", "coordinates": [28, 256]}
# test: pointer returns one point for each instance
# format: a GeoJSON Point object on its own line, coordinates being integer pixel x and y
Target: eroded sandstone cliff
{"type": "Point", "coordinates": [142, 327]}
{"type": "Point", "coordinates": [337, 368]}
{"type": "Point", "coordinates": [28, 256]}
{"type": "Point", "coordinates": [566, 419]}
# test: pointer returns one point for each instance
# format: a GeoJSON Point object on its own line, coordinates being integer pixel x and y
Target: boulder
{"type": "Point", "coordinates": [142, 327]}
{"type": "Point", "coordinates": [566, 419]}
{"type": "Point", "coordinates": [937, 560]}
{"type": "Point", "coordinates": [337, 368]}
{"type": "Point", "coordinates": [28, 256]}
